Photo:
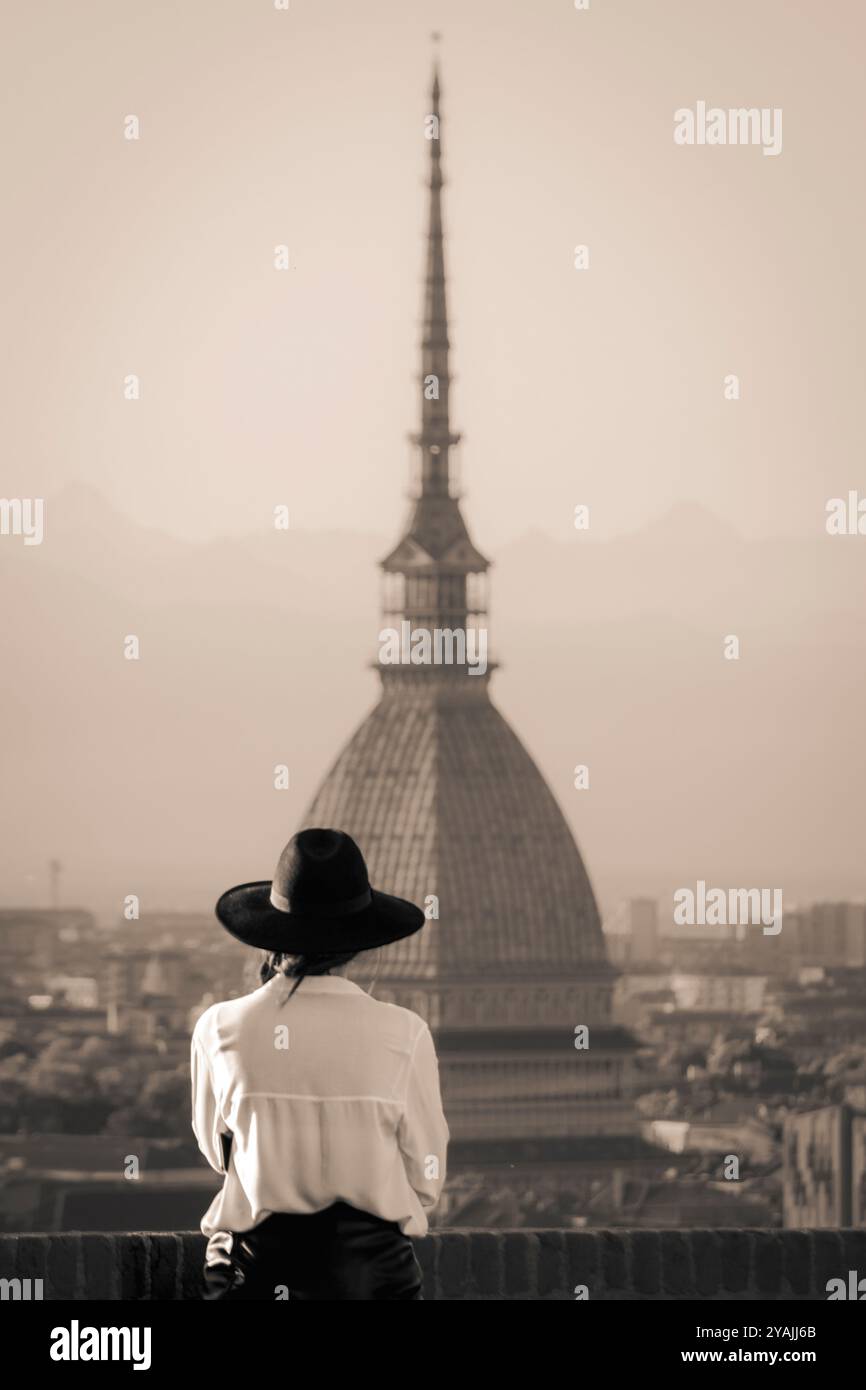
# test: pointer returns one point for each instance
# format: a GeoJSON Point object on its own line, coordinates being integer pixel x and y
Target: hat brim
{"type": "Point", "coordinates": [249, 915]}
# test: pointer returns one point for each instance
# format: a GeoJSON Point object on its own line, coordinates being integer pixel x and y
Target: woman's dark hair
{"type": "Point", "coordinates": [297, 967]}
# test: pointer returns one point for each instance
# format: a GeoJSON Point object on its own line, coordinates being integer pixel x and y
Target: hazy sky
{"type": "Point", "coordinates": [605, 386]}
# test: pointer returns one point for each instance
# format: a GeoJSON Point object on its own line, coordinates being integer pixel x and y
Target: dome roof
{"type": "Point", "coordinates": [444, 800]}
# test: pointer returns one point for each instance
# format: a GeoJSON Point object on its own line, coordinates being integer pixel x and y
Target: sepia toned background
{"type": "Point", "coordinates": [603, 387]}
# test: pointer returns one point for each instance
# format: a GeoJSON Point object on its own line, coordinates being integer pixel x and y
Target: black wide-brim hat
{"type": "Point", "coordinates": [318, 901]}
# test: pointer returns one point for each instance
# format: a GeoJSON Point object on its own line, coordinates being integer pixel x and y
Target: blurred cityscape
{"type": "Point", "coordinates": [749, 1047]}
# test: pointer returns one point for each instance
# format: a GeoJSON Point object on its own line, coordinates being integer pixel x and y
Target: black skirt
{"type": "Point", "coordinates": [336, 1254]}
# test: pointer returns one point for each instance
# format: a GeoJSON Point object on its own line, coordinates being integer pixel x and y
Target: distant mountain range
{"type": "Point", "coordinates": [156, 777]}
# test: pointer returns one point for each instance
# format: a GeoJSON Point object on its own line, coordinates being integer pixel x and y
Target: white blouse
{"type": "Point", "coordinates": [331, 1096]}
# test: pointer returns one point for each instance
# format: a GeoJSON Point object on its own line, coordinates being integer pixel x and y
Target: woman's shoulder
{"type": "Point", "coordinates": [223, 1011]}
{"type": "Point", "coordinates": [405, 1019]}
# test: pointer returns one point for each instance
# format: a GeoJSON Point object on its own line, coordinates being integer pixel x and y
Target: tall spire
{"type": "Point", "coordinates": [436, 438]}
{"type": "Point", "coordinates": [433, 575]}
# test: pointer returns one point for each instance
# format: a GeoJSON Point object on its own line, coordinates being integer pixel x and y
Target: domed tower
{"type": "Point", "coordinates": [451, 812]}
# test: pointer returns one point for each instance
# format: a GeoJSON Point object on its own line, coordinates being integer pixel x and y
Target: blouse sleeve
{"type": "Point", "coordinates": [423, 1131]}
{"type": "Point", "coordinates": [207, 1126]}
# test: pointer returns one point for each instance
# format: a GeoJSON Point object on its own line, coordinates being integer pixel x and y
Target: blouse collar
{"type": "Point", "coordinates": [319, 984]}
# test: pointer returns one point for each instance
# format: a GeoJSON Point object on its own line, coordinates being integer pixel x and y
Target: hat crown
{"type": "Point", "coordinates": [319, 901]}
{"type": "Point", "coordinates": [320, 870]}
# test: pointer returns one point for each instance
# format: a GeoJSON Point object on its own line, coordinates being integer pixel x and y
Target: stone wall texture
{"type": "Point", "coordinates": [480, 1265]}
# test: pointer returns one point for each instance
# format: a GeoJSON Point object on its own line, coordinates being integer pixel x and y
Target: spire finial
{"type": "Point", "coordinates": [435, 39]}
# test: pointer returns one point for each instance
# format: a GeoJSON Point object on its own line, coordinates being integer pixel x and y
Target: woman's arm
{"type": "Point", "coordinates": [207, 1124]}
{"type": "Point", "coordinates": [423, 1130]}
